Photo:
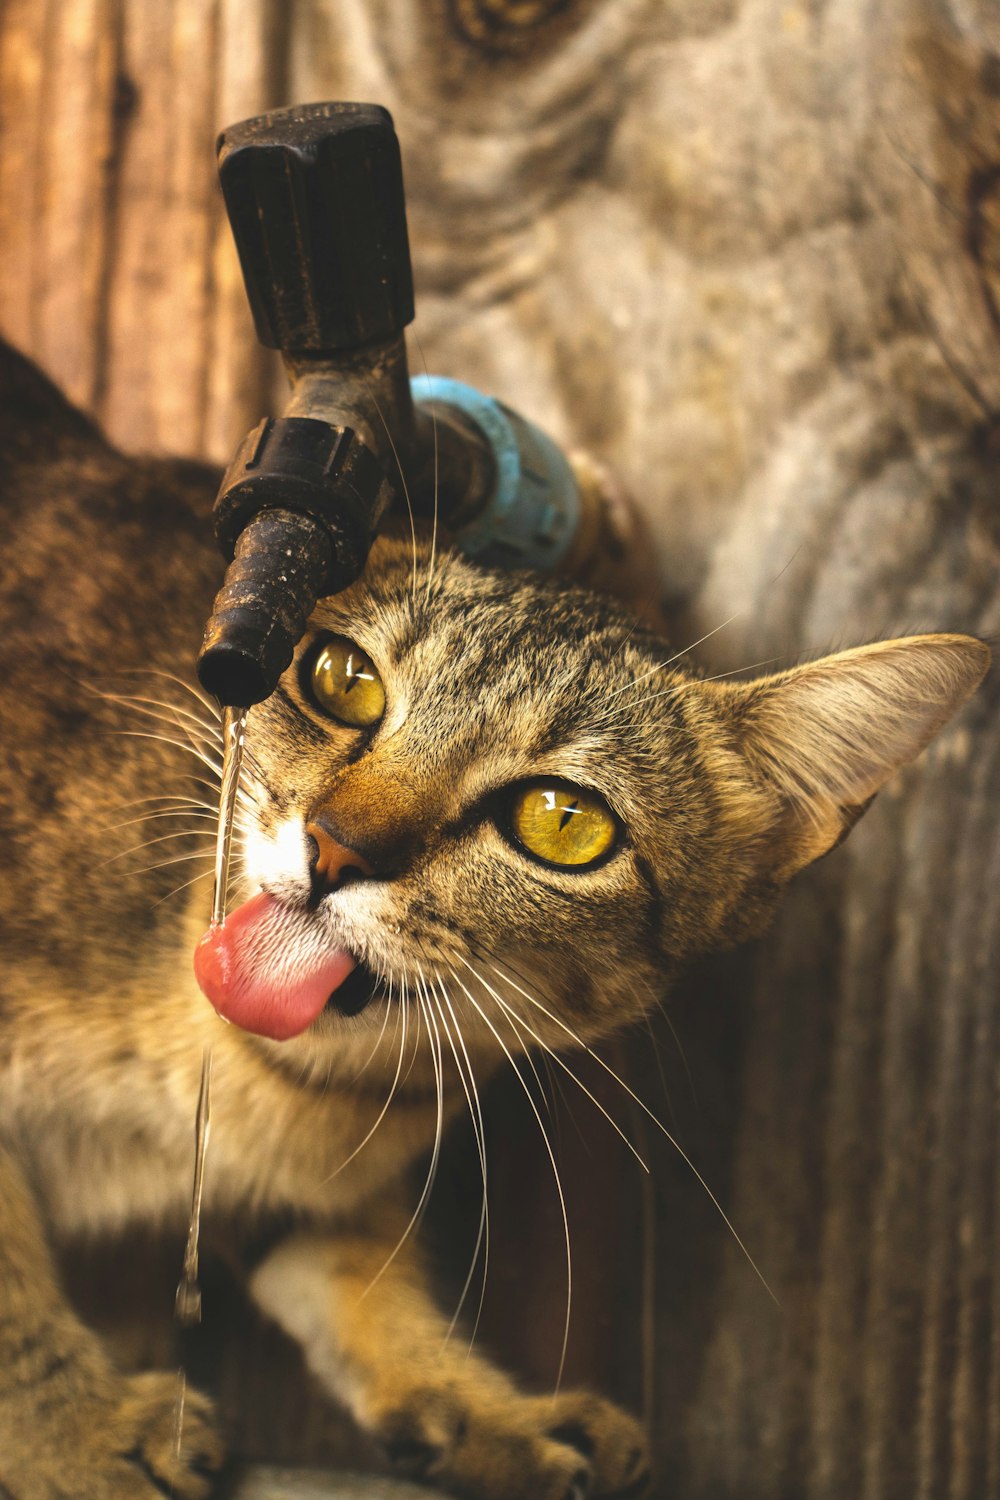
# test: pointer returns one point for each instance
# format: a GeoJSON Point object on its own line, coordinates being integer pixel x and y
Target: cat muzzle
{"type": "Point", "coordinates": [271, 970]}
{"type": "Point", "coordinates": [331, 865]}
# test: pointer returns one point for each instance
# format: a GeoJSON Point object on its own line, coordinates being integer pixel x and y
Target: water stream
{"type": "Point", "coordinates": [234, 725]}
{"type": "Point", "coordinates": [187, 1306]}
{"type": "Point", "coordinates": [188, 1302]}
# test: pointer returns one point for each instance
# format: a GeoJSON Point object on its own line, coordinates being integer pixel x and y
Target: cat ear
{"type": "Point", "coordinates": [828, 735]}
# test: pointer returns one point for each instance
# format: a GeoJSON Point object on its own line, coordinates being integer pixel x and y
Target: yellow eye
{"type": "Point", "coordinates": [346, 685]}
{"type": "Point", "coordinates": [564, 825]}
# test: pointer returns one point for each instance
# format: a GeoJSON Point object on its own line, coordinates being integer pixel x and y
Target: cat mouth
{"type": "Point", "coordinates": [271, 970]}
{"type": "Point", "coordinates": [361, 988]}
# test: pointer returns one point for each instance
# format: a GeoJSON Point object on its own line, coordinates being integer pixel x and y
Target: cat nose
{"type": "Point", "coordinates": [331, 865]}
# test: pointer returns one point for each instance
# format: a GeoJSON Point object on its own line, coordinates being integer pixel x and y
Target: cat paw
{"type": "Point", "coordinates": [115, 1440]}
{"type": "Point", "coordinates": [578, 1447]}
{"type": "Point", "coordinates": [178, 1456]}
{"type": "Point", "coordinates": [612, 1442]}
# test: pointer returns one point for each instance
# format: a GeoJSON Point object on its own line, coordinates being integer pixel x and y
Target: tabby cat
{"type": "Point", "coordinates": [481, 811]}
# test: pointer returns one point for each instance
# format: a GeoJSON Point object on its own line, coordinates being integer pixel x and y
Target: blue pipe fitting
{"type": "Point", "coordinates": [533, 514]}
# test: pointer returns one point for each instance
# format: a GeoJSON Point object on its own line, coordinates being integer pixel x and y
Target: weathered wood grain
{"type": "Point", "coordinates": [749, 252]}
{"type": "Point", "coordinates": [117, 271]}
{"type": "Point", "coordinates": [57, 108]}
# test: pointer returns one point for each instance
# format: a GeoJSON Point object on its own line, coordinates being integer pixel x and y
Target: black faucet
{"type": "Point", "coordinates": [315, 200]}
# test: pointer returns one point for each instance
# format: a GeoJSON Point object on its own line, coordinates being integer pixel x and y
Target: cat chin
{"type": "Point", "coordinates": [364, 1053]}
{"type": "Point", "coordinates": [474, 998]}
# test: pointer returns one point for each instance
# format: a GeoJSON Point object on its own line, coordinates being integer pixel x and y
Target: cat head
{"type": "Point", "coordinates": [498, 793]}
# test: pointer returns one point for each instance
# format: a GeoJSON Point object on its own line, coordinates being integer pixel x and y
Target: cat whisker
{"type": "Point", "coordinates": [624, 641]}
{"type": "Point", "coordinates": [434, 1041]}
{"type": "Point", "coordinates": [434, 520]}
{"type": "Point", "coordinates": [476, 1116]}
{"type": "Point", "coordinates": [434, 1037]}
{"type": "Point", "coordinates": [178, 833]}
{"type": "Point", "coordinates": [378, 1040]}
{"type": "Point", "coordinates": [173, 712]}
{"type": "Point", "coordinates": [306, 1067]}
{"type": "Point", "coordinates": [553, 1086]}
{"type": "Point", "coordinates": [678, 687]}
{"type": "Point", "coordinates": [175, 800]}
{"type": "Point", "coordinates": [151, 817]}
{"type": "Point", "coordinates": [662, 665]}
{"type": "Point", "coordinates": [416, 1045]}
{"type": "Point", "coordinates": [527, 1055]}
{"type": "Point", "coordinates": [752, 666]}
{"type": "Point", "coordinates": [656, 1121]}
{"type": "Point", "coordinates": [518, 1022]}
{"type": "Point", "coordinates": [196, 692]}
{"type": "Point", "coordinates": [657, 1001]}
{"type": "Point", "coordinates": [195, 739]}
{"type": "Point", "coordinates": [203, 875]}
{"type": "Point", "coordinates": [164, 739]}
{"type": "Point", "coordinates": [392, 1092]}
{"type": "Point", "coordinates": [552, 1159]}
{"type": "Point", "coordinates": [402, 478]}
{"type": "Point", "coordinates": [547, 1051]}
{"type": "Point", "coordinates": [184, 778]}
{"type": "Point", "coordinates": [162, 864]}
{"type": "Point", "coordinates": [655, 1046]}
{"type": "Point", "coordinates": [199, 745]}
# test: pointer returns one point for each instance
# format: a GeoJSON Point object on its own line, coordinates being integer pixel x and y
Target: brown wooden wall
{"type": "Point", "coordinates": [117, 273]}
{"type": "Point", "coordinates": [748, 251]}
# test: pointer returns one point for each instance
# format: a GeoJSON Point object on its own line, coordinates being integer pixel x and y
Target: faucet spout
{"type": "Point", "coordinates": [315, 199]}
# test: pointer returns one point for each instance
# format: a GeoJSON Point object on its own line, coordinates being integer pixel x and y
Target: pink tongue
{"type": "Point", "coordinates": [269, 969]}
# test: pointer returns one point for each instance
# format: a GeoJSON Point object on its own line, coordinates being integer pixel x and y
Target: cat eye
{"type": "Point", "coordinates": [563, 824]}
{"type": "Point", "coordinates": [344, 683]}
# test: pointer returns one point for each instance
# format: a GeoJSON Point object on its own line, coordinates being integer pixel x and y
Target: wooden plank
{"type": "Point", "coordinates": [688, 289]}
{"type": "Point", "coordinates": [118, 271]}
{"type": "Point", "coordinates": [57, 121]}
{"type": "Point", "coordinates": [155, 382]}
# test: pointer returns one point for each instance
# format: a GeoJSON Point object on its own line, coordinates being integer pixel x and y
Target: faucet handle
{"type": "Point", "coordinates": [315, 200]}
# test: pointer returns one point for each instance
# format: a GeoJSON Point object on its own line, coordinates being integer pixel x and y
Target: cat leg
{"type": "Point", "coordinates": [372, 1335]}
{"type": "Point", "coordinates": [71, 1426]}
